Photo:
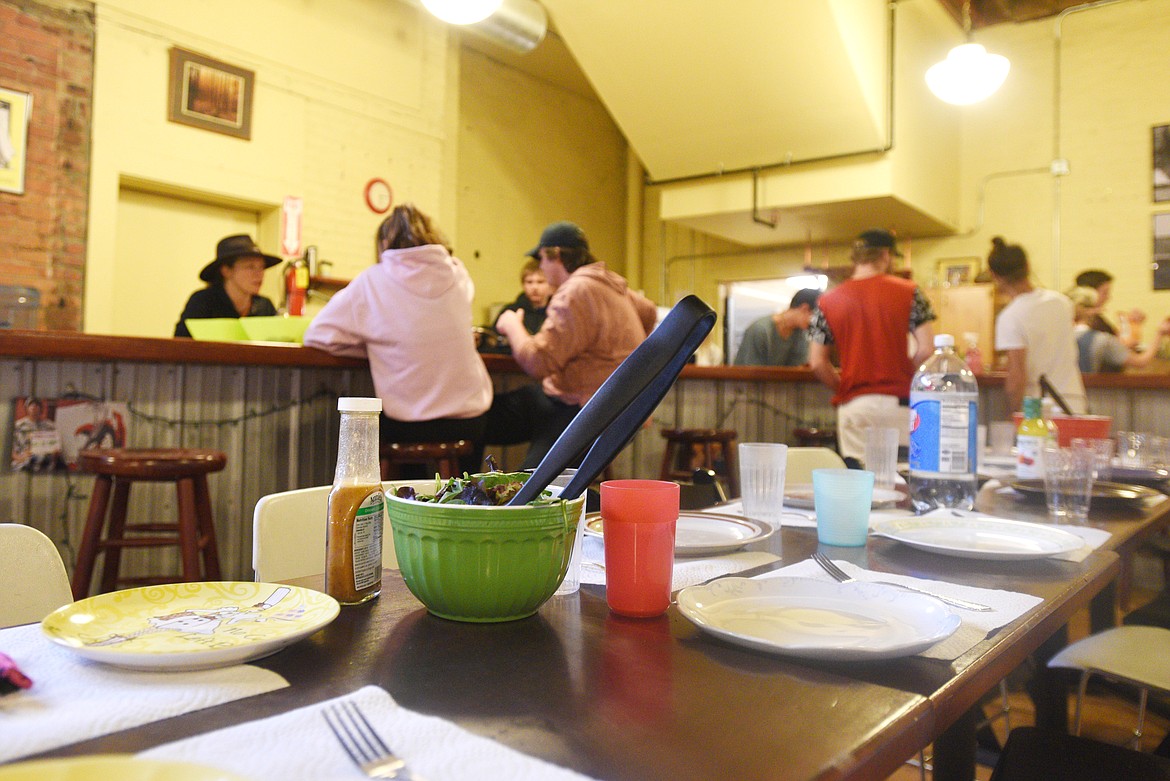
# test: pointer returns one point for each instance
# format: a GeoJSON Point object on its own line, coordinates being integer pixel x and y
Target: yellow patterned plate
{"type": "Point", "coordinates": [189, 626]}
{"type": "Point", "coordinates": [102, 767]}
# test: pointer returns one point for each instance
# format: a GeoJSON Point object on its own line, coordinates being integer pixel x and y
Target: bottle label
{"type": "Point", "coordinates": [367, 542]}
{"type": "Point", "coordinates": [1030, 461]}
{"type": "Point", "coordinates": [942, 435]}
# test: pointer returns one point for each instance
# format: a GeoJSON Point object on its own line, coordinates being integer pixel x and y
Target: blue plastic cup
{"type": "Point", "coordinates": [842, 499]}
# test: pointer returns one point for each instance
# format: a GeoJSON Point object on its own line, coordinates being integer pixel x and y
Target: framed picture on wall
{"type": "Point", "coordinates": [15, 111]}
{"type": "Point", "coordinates": [1161, 264]}
{"type": "Point", "coordinates": [210, 94]}
{"type": "Point", "coordinates": [1162, 163]}
{"type": "Point", "coordinates": [957, 271]}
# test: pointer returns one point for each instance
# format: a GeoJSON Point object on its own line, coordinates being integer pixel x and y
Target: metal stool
{"type": "Point", "coordinates": [688, 449]}
{"type": "Point", "coordinates": [193, 534]}
{"type": "Point", "coordinates": [442, 457]}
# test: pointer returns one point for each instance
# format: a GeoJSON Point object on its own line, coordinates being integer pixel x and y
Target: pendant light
{"type": "Point", "coordinates": [462, 11]}
{"type": "Point", "coordinates": [970, 73]}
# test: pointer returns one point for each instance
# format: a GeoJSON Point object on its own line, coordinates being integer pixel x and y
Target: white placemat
{"type": "Point", "coordinates": [1006, 606]}
{"type": "Point", "coordinates": [299, 745]}
{"type": "Point", "coordinates": [73, 699]}
{"type": "Point", "coordinates": [688, 571]}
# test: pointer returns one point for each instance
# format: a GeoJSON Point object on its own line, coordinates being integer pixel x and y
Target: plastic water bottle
{"type": "Point", "coordinates": [944, 416]}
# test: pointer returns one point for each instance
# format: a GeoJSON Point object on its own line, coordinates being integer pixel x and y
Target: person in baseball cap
{"type": "Point", "coordinates": [866, 320]}
{"type": "Point", "coordinates": [877, 239]}
{"type": "Point", "coordinates": [567, 235]}
{"type": "Point", "coordinates": [233, 282]}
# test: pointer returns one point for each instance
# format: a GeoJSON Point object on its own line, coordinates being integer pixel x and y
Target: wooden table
{"type": "Point", "coordinates": [636, 700]}
{"type": "Point", "coordinates": [1130, 524]}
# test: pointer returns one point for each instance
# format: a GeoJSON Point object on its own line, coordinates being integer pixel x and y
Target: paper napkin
{"type": "Point", "coordinates": [73, 699]}
{"type": "Point", "coordinates": [688, 571]}
{"type": "Point", "coordinates": [1006, 606]}
{"type": "Point", "coordinates": [299, 745]}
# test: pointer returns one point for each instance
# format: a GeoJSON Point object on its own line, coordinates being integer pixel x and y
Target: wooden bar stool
{"type": "Point", "coordinates": [441, 457]}
{"type": "Point", "coordinates": [688, 449]}
{"type": "Point", "coordinates": [193, 533]}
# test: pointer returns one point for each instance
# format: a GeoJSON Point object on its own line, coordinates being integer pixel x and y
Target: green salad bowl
{"type": "Point", "coordinates": [481, 564]}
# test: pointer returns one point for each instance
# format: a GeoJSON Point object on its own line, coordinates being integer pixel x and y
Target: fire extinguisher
{"type": "Point", "coordinates": [296, 283]}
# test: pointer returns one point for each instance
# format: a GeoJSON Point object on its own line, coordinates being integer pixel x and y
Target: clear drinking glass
{"type": "Point", "coordinates": [1068, 483]}
{"type": "Point", "coordinates": [762, 467]}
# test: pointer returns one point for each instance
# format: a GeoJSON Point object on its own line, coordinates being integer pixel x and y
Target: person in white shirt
{"type": "Point", "coordinates": [1035, 330]}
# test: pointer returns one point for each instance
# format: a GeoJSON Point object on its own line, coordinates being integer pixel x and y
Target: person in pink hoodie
{"type": "Point", "coordinates": [593, 322]}
{"type": "Point", "coordinates": [410, 316]}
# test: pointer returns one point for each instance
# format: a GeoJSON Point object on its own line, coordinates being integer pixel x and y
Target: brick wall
{"type": "Point", "coordinates": [47, 51]}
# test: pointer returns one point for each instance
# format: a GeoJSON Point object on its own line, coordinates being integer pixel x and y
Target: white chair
{"type": "Point", "coordinates": [1136, 655]}
{"type": "Point", "coordinates": [33, 581]}
{"type": "Point", "coordinates": [803, 460]}
{"type": "Point", "coordinates": [288, 535]}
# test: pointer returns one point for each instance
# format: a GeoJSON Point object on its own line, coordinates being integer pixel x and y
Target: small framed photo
{"type": "Point", "coordinates": [1161, 264]}
{"type": "Point", "coordinates": [1161, 163]}
{"type": "Point", "coordinates": [957, 271]}
{"type": "Point", "coordinates": [15, 111]}
{"type": "Point", "coordinates": [210, 94]}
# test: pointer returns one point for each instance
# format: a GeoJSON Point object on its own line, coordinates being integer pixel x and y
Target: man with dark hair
{"type": "Point", "coordinates": [869, 317]}
{"type": "Point", "coordinates": [593, 322]}
{"type": "Point", "coordinates": [780, 339]}
{"type": "Point", "coordinates": [1102, 282]}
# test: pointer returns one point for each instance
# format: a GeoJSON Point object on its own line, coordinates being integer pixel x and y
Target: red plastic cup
{"type": "Point", "coordinates": [638, 522]}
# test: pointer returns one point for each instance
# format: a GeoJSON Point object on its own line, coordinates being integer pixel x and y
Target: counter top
{"type": "Point", "coordinates": [72, 346]}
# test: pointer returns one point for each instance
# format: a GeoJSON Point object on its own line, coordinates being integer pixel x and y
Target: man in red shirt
{"type": "Point", "coordinates": [868, 317]}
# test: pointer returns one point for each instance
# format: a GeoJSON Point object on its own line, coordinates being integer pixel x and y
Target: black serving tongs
{"type": "Point", "coordinates": [1046, 387]}
{"type": "Point", "coordinates": [623, 403]}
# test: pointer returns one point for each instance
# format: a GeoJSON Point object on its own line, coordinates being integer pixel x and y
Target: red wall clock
{"type": "Point", "coordinates": [379, 196]}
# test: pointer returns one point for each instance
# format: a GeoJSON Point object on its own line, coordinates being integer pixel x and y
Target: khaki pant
{"type": "Point", "coordinates": [869, 411]}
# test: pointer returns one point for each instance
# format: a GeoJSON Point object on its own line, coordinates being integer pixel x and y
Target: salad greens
{"type": "Point", "coordinates": [488, 488]}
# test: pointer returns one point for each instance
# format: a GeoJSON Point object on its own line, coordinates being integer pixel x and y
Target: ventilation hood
{"type": "Point", "coordinates": [771, 122]}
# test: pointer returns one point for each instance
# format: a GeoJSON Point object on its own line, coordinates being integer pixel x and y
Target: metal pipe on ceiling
{"type": "Point", "coordinates": [518, 25]}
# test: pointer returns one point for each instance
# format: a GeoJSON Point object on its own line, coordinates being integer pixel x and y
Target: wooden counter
{"type": "Point", "coordinates": [272, 409]}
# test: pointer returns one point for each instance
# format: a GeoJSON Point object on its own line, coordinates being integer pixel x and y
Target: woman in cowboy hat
{"type": "Point", "coordinates": [233, 284]}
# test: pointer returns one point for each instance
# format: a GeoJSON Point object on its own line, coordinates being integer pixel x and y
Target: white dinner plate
{"type": "Point", "coordinates": [703, 534]}
{"type": "Point", "coordinates": [816, 619]}
{"type": "Point", "coordinates": [189, 626]}
{"type": "Point", "coordinates": [980, 537]}
{"type": "Point", "coordinates": [102, 767]}
{"type": "Point", "coordinates": [802, 496]}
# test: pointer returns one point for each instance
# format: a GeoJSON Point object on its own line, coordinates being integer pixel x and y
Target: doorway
{"type": "Point", "coordinates": [162, 243]}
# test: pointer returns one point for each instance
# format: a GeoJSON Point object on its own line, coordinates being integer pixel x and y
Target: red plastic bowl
{"type": "Point", "coordinates": [1070, 427]}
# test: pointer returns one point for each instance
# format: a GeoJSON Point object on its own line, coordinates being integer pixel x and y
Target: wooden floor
{"type": "Point", "coordinates": [1107, 717]}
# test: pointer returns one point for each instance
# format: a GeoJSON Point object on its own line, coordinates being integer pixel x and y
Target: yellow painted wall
{"type": "Point", "coordinates": [345, 90]}
{"type": "Point", "coordinates": [1113, 72]}
{"type": "Point", "coordinates": [532, 152]}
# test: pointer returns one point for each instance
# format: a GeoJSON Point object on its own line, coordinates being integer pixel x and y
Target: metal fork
{"type": "Point", "coordinates": [839, 574]}
{"type": "Point", "coordinates": [357, 736]}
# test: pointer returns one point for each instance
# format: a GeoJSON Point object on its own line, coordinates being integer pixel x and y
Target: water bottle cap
{"type": "Point", "coordinates": [944, 340]}
{"type": "Point", "coordinates": [358, 404]}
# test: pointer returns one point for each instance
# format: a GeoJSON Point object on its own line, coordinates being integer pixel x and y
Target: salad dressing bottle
{"type": "Point", "coordinates": [1033, 434]}
{"type": "Point", "coordinates": [353, 537]}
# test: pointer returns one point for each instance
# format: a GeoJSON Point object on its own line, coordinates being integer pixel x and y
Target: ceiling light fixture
{"type": "Point", "coordinates": [970, 73]}
{"type": "Point", "coordinates": [462, 11]}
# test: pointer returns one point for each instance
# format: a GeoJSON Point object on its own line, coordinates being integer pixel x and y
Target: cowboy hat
{"type": "Point", "coordinates": [230, 248]}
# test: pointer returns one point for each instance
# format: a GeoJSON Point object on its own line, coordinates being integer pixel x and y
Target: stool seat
{"type": "Point", "coordinates": [117, 469]}
{"type": "Point", "coordinates": [442, 457]}
{"type": "Point", "coordinates": [688, 449]}
{"type": "Point", "coordinates": [816, 437]}
{"type": "Point", "coordinates": [151, 464]}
